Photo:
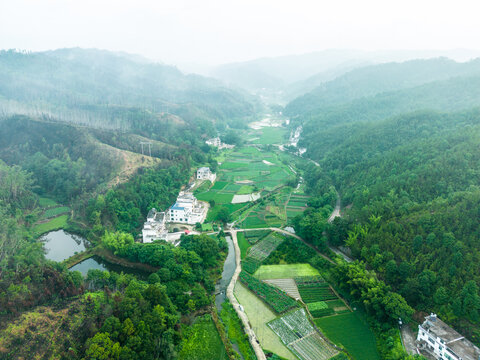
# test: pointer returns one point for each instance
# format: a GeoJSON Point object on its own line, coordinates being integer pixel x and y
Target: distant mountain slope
{"type": "Point", "coordinates": [283, 78]}
{"type": "Point", "coordinates": [450, 95]}
{"type": "Point", "coordinates": [372, 80]}
{"type": "Point", "coordinates": [105, 89]}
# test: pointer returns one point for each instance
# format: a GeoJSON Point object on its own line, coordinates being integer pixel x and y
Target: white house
{"type": "Point", "coordinates": [186, 210]}
{"type": "Point", "coordinates": [439, 340]}
{"type": "Point", "coordinates": [214, 142]}
{"type": "Point", "coordinates": [154, 228]}
{"type": "Point", "coordinates": [204, 173]}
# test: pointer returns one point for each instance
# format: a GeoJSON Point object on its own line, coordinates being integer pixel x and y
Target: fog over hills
{"type": "Point", "coordinates": [293, 75]}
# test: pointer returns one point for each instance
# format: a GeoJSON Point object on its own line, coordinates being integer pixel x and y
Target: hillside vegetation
{"type": "Point", "coordinates": [410, 179]}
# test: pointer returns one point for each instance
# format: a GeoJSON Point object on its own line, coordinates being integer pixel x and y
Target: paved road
{"type": "Point", "coordinates": [233, 300]}
{"type": "Point", "coordinates": [408, 340]}
{"type": "Point", "coordinates": [336, 211]}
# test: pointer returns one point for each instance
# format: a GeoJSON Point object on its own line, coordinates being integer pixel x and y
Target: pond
{"type": "Point", "coordinates": [96, 262]}
{"type": "Point", "coordinates": [60, 245]}
{"type": "Point", "coordinates": [228, 270]}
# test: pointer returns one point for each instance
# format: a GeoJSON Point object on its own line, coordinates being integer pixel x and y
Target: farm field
{"type": "Point", "coordinates": [54, 224]}
{"type": "Point", "coordinates": [316, 292]}
{"type": "Point", "coordinates": [271, 135]}
{"type": "Point", "coordinates": [243, 173]}
{"type": "Point", "coordinates": [243, 244]}
{"type": "Point", "coordinates": [295, 331]}
{"type": "Point", "coordinates": [256, 235]}
{"type": "Point", "coordinates": [55, 211]}
{"type": "Point", "coordinates": [202, 341]}
{"type": "Point", "coordinates": [287, 285]}
{"type": "Point", "coordinates": [275, 298]}
{"type": "Point", "coordinates": [351, 332]}
{"type": "Point", "coordinates": [46, 202]}
{"type": "Point", "coordinates": [264, 247]}
{"type": "Point", "coordinates": [285, 271]}
{"type": "Point", "coordinates": [259, 315]}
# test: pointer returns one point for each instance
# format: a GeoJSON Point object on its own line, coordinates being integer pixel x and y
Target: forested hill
{"type": "Point", "coordinates": [412, 185]}
{"type": "Point", "coordinates": [110, 90]}
{"type": "Point", "coordinates": [369, 81]}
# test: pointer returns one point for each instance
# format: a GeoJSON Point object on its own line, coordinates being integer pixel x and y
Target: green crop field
{"type": "Point", "coordinates": [233, 165]}
{"type": "Point", "coordinates": [219, 185]}
{"type": "Point", "coordinates": [243, 244]}
{"type": "Point", "coordinates": [271, 135]}
{"type": "Point", "coordinates": [245, 189]}
{"type": "Point", "coordinates": [285, 271]}
{"type": "Point", "coordinates": [316, 292]}
{"type": "Point", "coordinates": [46, 202]}
{"type": "Point", "coordinates": [259, 315]}
{"type": "Point", "coordinates": [54, 224]}
{"type": "Point", "coordinates": [52, 212]}
{"type": "Point", "coordinates": [217, 197]}
{"type": "Point", "coordinates": [351, 332]}
{"type": "Point", "coordinates": [202, 341]}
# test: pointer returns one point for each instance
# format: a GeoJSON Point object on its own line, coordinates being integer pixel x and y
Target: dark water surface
{"type": "Point", "coordinates": [228, 270]}
{"type": "Point", "coordinates": [60, 245]}
{"type": "Point", "coordinates": [96, 262]}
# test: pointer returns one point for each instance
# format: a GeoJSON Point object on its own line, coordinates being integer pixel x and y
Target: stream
{"type": "Point", "coordinates": [228, 270]}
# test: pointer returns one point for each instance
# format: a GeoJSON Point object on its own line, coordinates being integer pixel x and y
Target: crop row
{"type": "Point", "coordinates": [322, 312]}
{"type": "Point", "coordinates": [263, 248]}
{"type": "Point", "coordinates": [291, 326]}
{"type": "Point", "coordinates": [318, 305]}
{"type": "Point", "coordinates": [49, 213]}
{"type": "Point", "coordinates": [312, 347]}
{"type": "Point", "coordinates": [300, 280]}
{"type": "Point", "coordinates": [277, 299]}
{"type": "Point", "coordinates": [250, 265]}
{"type": "Point", "coordinates": [312, 294]}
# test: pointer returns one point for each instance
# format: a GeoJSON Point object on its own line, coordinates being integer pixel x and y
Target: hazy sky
{"type": "Point", "coordinates": [218, 31]}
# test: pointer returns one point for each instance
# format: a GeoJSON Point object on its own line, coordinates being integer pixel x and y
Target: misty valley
{"type": "Point", "coordinates": [312, 207]}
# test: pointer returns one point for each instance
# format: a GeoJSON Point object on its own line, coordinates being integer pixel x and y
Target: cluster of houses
{"type": "Point", "coordinates": [186, 210]}
{"type": "Point", "coordinates": [437, 340]}
{"type": "Point", "coordinates": [216, 142]}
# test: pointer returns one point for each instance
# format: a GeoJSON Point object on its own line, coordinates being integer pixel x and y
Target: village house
{"type": "Point", "coordinates": [186, 210]}
{"type": "Point", "coordinates": [204, 173]}
{"type": "Point", "coordinates": [216, 142]}
{"type": "Point", "coordinates": [155, 226]}
{"type": "Point", "coordinates": [439, 341]}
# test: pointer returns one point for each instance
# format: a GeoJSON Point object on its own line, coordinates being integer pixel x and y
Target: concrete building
{"type": "Point", "coordinates": [204, 173]}
{"type": "Point", "coordinates": [155, 226]}
{"type": "Point", "coordinates": [437, 340]}
{"type": "Point", "coordinates": [216, 142]}
{"type": "Point", "coordinates": [187, 210]}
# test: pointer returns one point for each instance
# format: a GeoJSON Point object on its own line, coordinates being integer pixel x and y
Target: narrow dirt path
{"type": "Point", "coordinates": [233, 300]}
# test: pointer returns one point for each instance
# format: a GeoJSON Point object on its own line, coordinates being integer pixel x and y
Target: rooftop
{"type": "Point", "coordinates": [177, 207]}
{"type": "Point", "coordinates": [453, 340]}
{"type": "Point", "coordinates": [204, 168]}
